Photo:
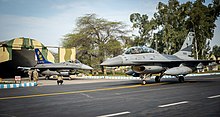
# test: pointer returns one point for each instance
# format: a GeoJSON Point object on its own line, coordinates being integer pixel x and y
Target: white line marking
{"type": "Point", "coordinates": [115, 114]}
{"type": "Point", "coordinates": [172, 104]}
{"type": "Point", "coordinates": [86, 95]}
{"type": "Point", "coordinates": [216, 96]}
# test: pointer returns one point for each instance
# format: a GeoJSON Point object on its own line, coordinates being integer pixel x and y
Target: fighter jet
{"type": "Point", "coordinates": [146, 61]}
{"type": "Point", "coordinates": [64, 68]}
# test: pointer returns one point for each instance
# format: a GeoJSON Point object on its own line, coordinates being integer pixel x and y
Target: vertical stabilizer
{"type": "Point", "coordinates": [40, 57]}
{"type": "Point", "coordinates": [186, 49]}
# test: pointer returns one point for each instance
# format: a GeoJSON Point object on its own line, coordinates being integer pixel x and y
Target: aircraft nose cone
{"type": "Point", "coordinates": [86, 67]}
{"type": "Point", "coordinates": [116, 61]}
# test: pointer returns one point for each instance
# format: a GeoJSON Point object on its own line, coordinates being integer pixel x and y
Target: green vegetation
{"type": "Point", "coordinates": [173, 21]}
{"type": "Point", "coordinates": [96, 38]}
{"type": "Point", "coordinates": [216, 51]}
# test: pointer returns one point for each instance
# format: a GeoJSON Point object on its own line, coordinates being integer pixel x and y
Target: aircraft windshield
{"type": "Point", "coordinates": [139, 50]}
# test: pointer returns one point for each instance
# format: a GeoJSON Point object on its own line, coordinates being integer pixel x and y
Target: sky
{"type": "Point", "coordinates": [49, 20]}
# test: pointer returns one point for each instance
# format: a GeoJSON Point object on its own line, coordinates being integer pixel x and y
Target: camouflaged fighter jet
{"type": "Point", "coordinates": [64, 68]}
{"type": "Point", "coordinates": [146, 61]}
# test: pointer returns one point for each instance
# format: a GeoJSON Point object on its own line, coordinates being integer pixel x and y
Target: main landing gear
{"type": "Point", "coordinates": [157, 79]}
{"type": "Point", "coordinates": [180, 79]}
{"type": "Point", "coordinates": [47, 77]}
{"type": "Point", "coordinates": [144, 82]}
{"type": "Point", "coordinates": [145, 77]}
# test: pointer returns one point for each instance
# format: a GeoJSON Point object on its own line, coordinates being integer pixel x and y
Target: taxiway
{"type": "Point", "coordinates": [198, 96]}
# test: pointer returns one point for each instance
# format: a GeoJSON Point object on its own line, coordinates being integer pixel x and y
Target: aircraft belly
{"type": "Point", "coordinates": [147, 69]}
{"type": "Point", "coordinates": [153, 69]}
{"type": "Point", "coordinates": [49, 73]}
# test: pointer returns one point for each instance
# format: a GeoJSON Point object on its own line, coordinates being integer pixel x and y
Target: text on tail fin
{"type": "Point", "coordinates": [187, 45]}
{"type": "Point", "coordinates": [40, 57]}
{"type": "Point", "coordinates": [186, 49]}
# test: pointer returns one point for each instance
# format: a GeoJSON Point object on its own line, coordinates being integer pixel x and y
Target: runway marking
{"type": "Point", "coordinates": [86, 95]}
{"type": "Point", "coordinates": [115, 114]}
{"type": "Point", "coordinates": [173, 104]}
{"type": "Point", "coordinates": [75, 92]}
{"type": "Point", "coordinates": [216, 96]}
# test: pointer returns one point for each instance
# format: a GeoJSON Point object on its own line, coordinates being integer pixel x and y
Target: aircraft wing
{"type": "Point", "coordinates": [23, 68]}
{"type": "Point", "coordinates": [55, 67]}
{"type": "Point", "coordinates": [62, 67]}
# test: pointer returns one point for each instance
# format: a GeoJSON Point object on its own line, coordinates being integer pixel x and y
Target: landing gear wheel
{"type": "Point", "coordinates": [47, 78]}
{"type": "Point", "coordinates": [181, 79]}
{"type": "Point", "coordinates": [157, 79]}
{"type": "Point", "coordinates": [144, 82]}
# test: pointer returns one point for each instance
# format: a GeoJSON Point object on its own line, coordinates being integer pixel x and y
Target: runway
{"type": "Point", "coordinates": [198, 96]}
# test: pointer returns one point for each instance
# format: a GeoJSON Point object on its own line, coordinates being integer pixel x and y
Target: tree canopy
{"type": "Point", "coordinates": [216, 51]}
{"type": "Point", "coordinates": [174, 20]}
{"type": "Point", "coordinates": [96, 39]}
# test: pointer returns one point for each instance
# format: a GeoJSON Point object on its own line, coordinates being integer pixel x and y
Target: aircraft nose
{"type": "Point", "coordinates": [116, 61]}
{"type": "Point", "coordinates": [86, 67]}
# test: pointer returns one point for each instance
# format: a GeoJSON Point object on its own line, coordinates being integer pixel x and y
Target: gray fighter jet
{"type": "Point", "coordinates": [64, 68]}
{"type": "Point", "coordinates": [146, 61]}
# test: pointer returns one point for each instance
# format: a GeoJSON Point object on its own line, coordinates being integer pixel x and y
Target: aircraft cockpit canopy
{"type": "Point", "coordinates": [139, 50]}
{"type": "Point", "coordinates": [72, 61]}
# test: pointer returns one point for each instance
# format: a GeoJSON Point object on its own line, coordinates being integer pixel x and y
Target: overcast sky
{"type": "Point", "coordinates": [49, 20]}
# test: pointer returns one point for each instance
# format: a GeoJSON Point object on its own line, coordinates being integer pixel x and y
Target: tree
{"type": "Point", "coordinates": [84, 47]}
{"type": "Point", "coordinates": [166, 22]}
{"type": "Point", "coordinates": [115, 47]}
{"type": "Point", "coordinates": [202, 20]}
{"type": "Point", "coordinates": [170, 22]}
{"type": "Point", "coordinates": [173, 21]}
{"type": "Point", "coordinates": [96, 39]}
{"type": "Point", "coordinates": [216, 51]}
{"type": "Point", "coordinates": [144, 28]}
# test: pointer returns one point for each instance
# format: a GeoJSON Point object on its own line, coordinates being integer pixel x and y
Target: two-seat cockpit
{"type": "Point", "coordinates": [74, 61]}
{"type": "Point", "coordinates": [139, 50]}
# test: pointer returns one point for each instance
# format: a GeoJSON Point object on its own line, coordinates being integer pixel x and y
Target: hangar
{"type": "Point", "coordinates": [20, 52]}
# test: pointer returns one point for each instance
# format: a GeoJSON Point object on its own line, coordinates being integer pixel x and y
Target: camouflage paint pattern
{"type": "Point", "coordinates": [7, 47]}
{"type": "Point", "coordinates": [66, 54]}
{"type": "Point", "coordinates": [5, 54]}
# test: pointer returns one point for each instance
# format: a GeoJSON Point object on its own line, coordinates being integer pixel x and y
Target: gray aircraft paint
{"type": "Point", "coordinates": [148, 61]}
{"type": "Point", "coordinates": [60, 68]}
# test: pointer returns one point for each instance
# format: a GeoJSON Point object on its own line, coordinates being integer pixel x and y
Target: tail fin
{"type": "Point", "coordinates": [40, 57]}
{"type": "Point", "coordinates": [186, 49]}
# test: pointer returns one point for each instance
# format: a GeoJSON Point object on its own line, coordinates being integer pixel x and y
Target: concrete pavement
{"type": "Point", "coordinates": [80, 80]}
{"type": "Point", "coordinates": [43, 82]}
{"type": "Point", "coordinates": [198, 96]}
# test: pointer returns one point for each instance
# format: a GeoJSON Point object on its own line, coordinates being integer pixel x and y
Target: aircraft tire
{"type": "Point", "coordinates": [181, 79]}
{"type": "Point", "coordinates": [47, 78]}
{"type": "Point", "coordinates": [157, 79]}
{"type": "Point", "coordinates": [144, 82]}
